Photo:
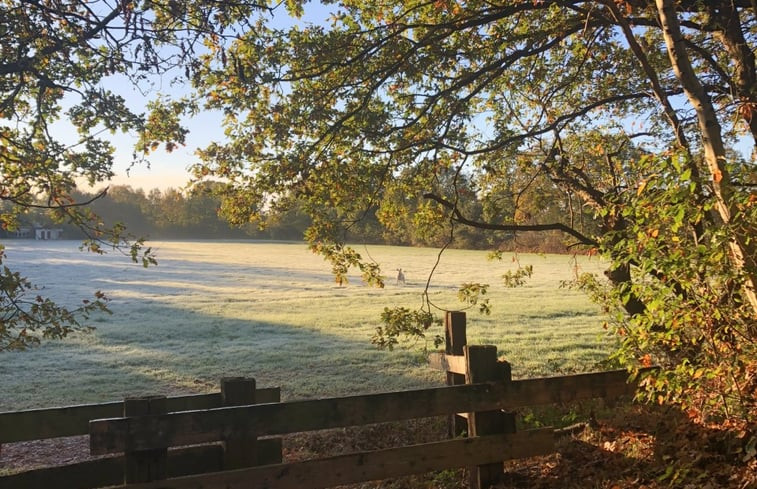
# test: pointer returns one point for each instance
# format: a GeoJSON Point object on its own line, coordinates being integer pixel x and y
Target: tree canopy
{"type": "Point", "coordinates": [624, 111]}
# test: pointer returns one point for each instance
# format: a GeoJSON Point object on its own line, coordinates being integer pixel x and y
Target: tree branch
{"type": "Point", "coordinates": [458, 217]}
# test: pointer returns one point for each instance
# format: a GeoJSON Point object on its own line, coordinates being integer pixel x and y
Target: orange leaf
{"type": "Point", "coordinates": [641, 188]}
{"type": "Point", "coordinates": [745, 109]}
{"type": "Point", "coordinates": [717, 175]}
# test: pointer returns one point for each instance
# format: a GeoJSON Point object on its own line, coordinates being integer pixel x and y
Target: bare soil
{"type": "Point", "coordinates": [635, 447]}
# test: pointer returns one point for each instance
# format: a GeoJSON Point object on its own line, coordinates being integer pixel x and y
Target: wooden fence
{"type": "Point", "coordinates": [40, 424]}
{"type": "Point", "coordinates": [480, 392]}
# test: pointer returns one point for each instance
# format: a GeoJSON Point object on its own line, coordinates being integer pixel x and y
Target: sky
{"type": "Point", "coordinates": [165, 170]}
{"type": "Point", "coordinates": [171, 169]}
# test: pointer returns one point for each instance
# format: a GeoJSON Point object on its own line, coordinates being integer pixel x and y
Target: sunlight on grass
{"type": "Point", "coordinates": [272, 311]}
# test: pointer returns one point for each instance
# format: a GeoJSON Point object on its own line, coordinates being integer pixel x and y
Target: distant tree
{"type": "Point", "coordinates": [290, 224]}
{"type": "Point", "coordinates": [411, 219]}
{"type": "Point", "coordinates": [169, 212]}
{"type": "Point", "coordinates": [121, 205]}
{"type": "Point", "coordinates": [202, 211]}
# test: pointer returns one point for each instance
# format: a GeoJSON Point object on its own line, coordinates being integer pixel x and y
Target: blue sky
{"type": "Point", "coordinates": [171, 169]}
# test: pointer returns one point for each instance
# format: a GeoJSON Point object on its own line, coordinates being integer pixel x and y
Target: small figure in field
{"type": "Point", "coordinates": [400, 277]}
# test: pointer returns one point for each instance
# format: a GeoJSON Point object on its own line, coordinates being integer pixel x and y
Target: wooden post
{"type": "Point", "coordinates": [455, 340]}
{"type": "Point", "coordinates": [505, 372]}
{"type": "Point", "coordinates": [240, 451]}
{"type": "Point", "coordinates": [482, 366]}
{"type": "Point", "coordinates": [145, 465]}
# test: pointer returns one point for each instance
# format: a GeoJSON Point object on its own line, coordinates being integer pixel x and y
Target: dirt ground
{"type": "Point", "coordinates": [635, 447]}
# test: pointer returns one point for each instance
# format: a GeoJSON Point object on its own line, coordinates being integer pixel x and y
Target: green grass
{"type": "Point", "coordinates": [272, 311]}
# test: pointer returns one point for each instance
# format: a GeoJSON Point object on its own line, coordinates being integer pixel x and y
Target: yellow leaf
{"type": "Point", "coordinates": [641, 188]}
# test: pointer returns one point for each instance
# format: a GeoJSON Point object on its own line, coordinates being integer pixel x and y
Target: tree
{"type": "Point", "coordinates": [623, 108]}
{"type": "Point", "coordinates": [122, 206]}
{"type": "Point", "coordinates": [405, 213]}
{"type": "Point", "coordinates": [58, 58]}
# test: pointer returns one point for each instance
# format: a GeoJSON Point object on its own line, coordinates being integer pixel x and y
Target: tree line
{"type": "Point", "coordinates": [197, 213]}
{"type": "Point", "coordinates": [156, 214]}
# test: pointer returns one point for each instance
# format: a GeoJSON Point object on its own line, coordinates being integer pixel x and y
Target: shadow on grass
{"type": "Point", "coordinates": [182, 351]}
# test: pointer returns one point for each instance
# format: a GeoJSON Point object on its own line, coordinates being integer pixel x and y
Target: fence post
{"type": "Point", "coordinates": [482, 366]}
{"type": "Point", "coordinates": [240, 450]}
{"type": "Point", "coordinates": [505, 373]}
{"type": "Point", "coordinates": [455, 340]}
{"type": "Point", "coordinates": [145, 465]}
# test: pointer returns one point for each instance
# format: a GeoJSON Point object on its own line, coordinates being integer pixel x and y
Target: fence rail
{"type": "Point", "coordinates": [192, 427]}
{"type": "Point", "coordinates": [109, 471]}
{"type": "Point", "coordinates": [146, 440]}
{"type": "Point", "coordinates": [40, 424]}
{"type": "Point", "coordinates": [374, 465]}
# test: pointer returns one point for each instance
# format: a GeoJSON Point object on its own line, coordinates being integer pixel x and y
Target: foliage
{"type": "Point", "coordinates": [60, 63]}
{"type": "Point", "coordinates": [606, 121]}
{"type": "Point", "coordinates": [694, 323]}
{"type": "Point", "coordinates": [518, 277]}
{"type": "Point", "coordinates": [472, 294]}
{"type": "Point", "coordinates": [26, 317]}
{"type": "Point", "coordinates": [401, 320]}
{"type": "Point", "coordinates": [342, 258]}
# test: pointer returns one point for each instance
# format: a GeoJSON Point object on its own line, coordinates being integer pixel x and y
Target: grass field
{"type": "Point", "coordinates": [272, 311]}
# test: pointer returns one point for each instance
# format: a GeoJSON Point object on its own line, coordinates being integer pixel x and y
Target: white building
{"type": "Point", "coordinates": [22, 233]}
{"type": "Point", "coordinates": [48, 233]}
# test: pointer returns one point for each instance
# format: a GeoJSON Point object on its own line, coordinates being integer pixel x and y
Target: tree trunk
{"type": "Point", "coordinates": [728, 30]}
{"type": "Point", "coordinates": [712, 142]}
